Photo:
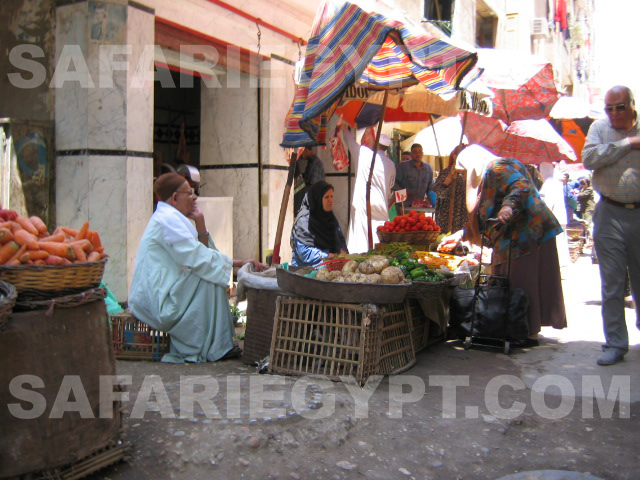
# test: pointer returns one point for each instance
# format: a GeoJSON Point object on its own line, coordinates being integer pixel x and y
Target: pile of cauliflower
{"type": "Point", "coordinates": [375, 269]}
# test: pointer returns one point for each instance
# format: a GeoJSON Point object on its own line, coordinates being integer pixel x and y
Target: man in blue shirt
{"type": "Point", "coordinates": [416, 176]}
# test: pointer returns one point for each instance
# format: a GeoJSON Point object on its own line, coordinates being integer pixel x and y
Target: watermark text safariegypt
{"type": "Point", "coordinates": [262, 398]}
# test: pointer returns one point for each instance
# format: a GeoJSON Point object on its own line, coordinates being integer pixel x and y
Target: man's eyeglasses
{"type": "Point", "coordinates": [621, 107]}
{"type": "Point", "coordinates": [191, 191]}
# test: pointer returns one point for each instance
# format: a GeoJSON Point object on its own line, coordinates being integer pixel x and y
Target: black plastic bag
{"type": "Point", "coordinates": [492, 320]}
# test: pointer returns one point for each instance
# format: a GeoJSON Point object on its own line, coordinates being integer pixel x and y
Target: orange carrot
{"type": "Point", "coordinates": [38, 223]}
{"type": "Point", "coordinates": [54, 260]}
{"type": "Point", "coordinates": [59, 249]}
{"type": "Point", "coordinates": [83, 231]}
{"type": "Point", "coordinates": [27, 225]}
{"type": "Point", "coordinates": [34, 255]}
{"type": "Point", "coordinates": [5, 235]}
{"type": "Point", "coordinates": [40, 261]}
{"type": "Point", "coordinates": [79, 253]}
{"type": "Point", "coordinates": [7, 250]}
{"type": "Point", "coordinates": [69, 231]}
{"type": "Point", "coordinates": [16, 256]}
{"type": "Point", "coordinates": [66, 261]}
{"type": "Point", "coordinates": [22, 237]}
{"type": "Point", "coordinates": [56, 237]}
{"type": "Point", "coordinates": [14, 263]}
{"type": "Point", "coordinates": [6, 225]}
{"type": "Point", "coordinates": [85, 244]}
{"type": "Point", "coordinates": [15, 226]}
{"type": "Point", "coordinates": [100, 249]}
{"type": "Point", "coordinates": [93, 256]}
{"type": "Point", "coordinates": [95, 239]}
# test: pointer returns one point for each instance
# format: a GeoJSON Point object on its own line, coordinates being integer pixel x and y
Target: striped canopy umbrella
{"type": "Point", "coordinates": [529, 141]}
{"type": "Point", "coordinates": [369, 50]}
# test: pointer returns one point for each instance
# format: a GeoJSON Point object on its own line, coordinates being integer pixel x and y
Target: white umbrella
{"type": "Point", "coordinates": [447, 134]}
{"type": "Point", "coordinates": [570, 107]}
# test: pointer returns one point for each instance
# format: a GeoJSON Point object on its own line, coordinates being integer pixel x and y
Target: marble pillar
{"type": "Point", "coordinates": [229, 156]}
{"type": "Point", "coordinates": [104, 126]}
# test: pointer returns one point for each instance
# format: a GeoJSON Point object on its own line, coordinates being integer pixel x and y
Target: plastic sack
{"type": "Point", "coordinates": [113, 307]}
{"type": "Point", "coordinates": [248, 278]}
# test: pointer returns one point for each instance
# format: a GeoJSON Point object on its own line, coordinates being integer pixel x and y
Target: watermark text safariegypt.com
{"type": "Point", "coordinates": [260, 396]}
{"type": "Point", "coordinates": [72, 67]}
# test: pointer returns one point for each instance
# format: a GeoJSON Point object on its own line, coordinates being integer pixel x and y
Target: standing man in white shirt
{"type": "Point", "coordinates": [384, 175]}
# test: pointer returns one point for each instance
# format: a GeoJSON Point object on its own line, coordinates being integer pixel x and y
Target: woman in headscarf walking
{"type": "Point", "coordinates": [503, 189]}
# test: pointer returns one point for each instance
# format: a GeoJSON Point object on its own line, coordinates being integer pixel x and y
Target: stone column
{"type": "Point", "coordinates": [104, 125]}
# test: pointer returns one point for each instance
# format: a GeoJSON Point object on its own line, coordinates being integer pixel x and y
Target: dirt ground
{"type": "Point", "coordinates": [457, 428]}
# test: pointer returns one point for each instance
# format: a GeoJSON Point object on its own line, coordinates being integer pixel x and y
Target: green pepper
{"type": "Point", "coordinates": [419, 279]}
{"type": "Point", "coordinates": [417, 272]}
{"type": "Point", "coordinates": [409, 263]}
{"type": "Point", "coordinates": [401, 255]}
{"type": "Point", "coordinates": [394, 262]}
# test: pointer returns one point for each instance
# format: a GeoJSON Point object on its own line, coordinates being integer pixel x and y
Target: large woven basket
{"type": "Point", "coordinates": [7, 301]}
{"type": "Point", "coordinates": [426, 289]}
{"type": "Point", "coordinates": [42, 282]}
{"type": "Point", "coordinates": [416, 238]}
{"type": "Point", "coordinates": [67, 301]}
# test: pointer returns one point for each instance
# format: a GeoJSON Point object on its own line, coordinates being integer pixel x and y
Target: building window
{"type": "Point", "coordinates": [486, 25]}
{"type": "Point", "coordinates": [438, 9]}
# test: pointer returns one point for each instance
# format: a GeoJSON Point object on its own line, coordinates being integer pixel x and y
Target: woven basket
{"type": "Point", "coordinates": [419, 238]}
{"type": "Point", "coordinates": [43, 282]}
{"type": "Point", "coordinates": [426, 289]}
{"type": "Point", "coordinates": [574, 233]}
{"type": "Point", "coordinates": [7, 301]}
{"type": "Point", "coordinates": [67, 301]}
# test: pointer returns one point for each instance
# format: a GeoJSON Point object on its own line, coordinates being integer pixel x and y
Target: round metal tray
{"type": "Point", "coordinates": [340, 292]}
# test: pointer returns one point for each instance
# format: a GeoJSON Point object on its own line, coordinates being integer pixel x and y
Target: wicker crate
{"type": "Point", "coordinates": [339, 339]}
{"type": "Point", "coordinates": [419, 325]}
{"type": "Point", "coordinates": [135, 340]}
{"type": "Point", "coordinates": [575, 250]}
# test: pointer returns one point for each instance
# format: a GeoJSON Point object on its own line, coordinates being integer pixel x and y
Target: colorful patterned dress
{"type": "Point", "coordinates": [534, 259]}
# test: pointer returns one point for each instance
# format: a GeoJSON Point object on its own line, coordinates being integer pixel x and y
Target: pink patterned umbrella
{"type": "Point", "coordinates": [529, 141]}
{"type": "Point", "coordinates": [523, 85]}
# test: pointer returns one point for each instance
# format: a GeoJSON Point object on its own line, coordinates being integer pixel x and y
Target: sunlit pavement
{"type": "Point", "coordinates": [572, 352]}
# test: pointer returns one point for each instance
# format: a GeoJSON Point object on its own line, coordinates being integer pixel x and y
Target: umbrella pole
{"type": "Point", "coordinates": [435, 137]}
{"type": "Point", "coordinates": [464, 124]}
{"type": "Point", "coordinates": [373, 162]}
{"type": "Point", "coordinates": [283, 209]}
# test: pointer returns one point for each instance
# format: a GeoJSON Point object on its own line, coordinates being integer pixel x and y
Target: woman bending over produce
{"type": "Point", "coordinates": [180, 278]}
{"type": "Point", "coordinates": [316, 234]}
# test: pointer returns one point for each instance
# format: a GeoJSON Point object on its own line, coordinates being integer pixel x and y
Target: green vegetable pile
{"type": "Point", "coordinates": [415, 271]}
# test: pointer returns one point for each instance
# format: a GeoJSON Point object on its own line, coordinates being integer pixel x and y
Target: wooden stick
{"type": "Point", "coordinates": [283, 210]}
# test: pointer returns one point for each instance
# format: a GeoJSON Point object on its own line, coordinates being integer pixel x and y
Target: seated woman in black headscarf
{"type": "Point", "coordinates": [316, 235]}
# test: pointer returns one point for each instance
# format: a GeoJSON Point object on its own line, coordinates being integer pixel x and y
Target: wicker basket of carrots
{"type": "Point", "coordinates": [43, 265]}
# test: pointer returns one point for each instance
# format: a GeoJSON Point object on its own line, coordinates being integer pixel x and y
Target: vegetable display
{"type": "Point", "coordinates": [26, 241]}
{"type": "Point", "coordinates": [403, 267]}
